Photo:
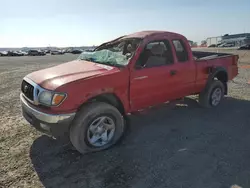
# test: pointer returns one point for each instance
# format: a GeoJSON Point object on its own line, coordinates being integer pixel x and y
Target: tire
{"type": "Point", "coordinates": [80, 129]}
{"type": "Point", "coordinates": [206, 96]}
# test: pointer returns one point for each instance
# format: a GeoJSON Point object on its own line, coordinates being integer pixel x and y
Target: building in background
{"type": "Point", "coordinates": [227, 40]}
{"type": "Point", "coordinates": [213, 40]}
{"type": "Point", "coordinates": [236, 39]}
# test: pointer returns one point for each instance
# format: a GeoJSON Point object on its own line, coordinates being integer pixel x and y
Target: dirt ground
{"type": "Point", "coordinates": [179, 145]}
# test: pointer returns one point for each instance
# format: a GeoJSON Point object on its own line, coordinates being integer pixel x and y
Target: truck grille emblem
{"type": "Point", "coordinates": [25, 89]}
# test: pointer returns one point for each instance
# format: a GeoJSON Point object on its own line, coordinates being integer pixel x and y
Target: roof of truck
{"type": "Point", "coordinates": [143, 34]}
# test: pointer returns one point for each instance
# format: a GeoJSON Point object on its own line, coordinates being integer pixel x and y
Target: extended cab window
{"type": "Point", "coordinates": [157, 53]}
{"type": "Point", "coordinates": [181, 51]}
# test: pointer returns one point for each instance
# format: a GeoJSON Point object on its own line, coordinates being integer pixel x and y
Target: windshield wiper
{"type": "Point", "coordinates": [109, 63]}
{"type": "Point", "coordinates": [88, 59]}
{"type": "Point", "coordinates": [104, 63]}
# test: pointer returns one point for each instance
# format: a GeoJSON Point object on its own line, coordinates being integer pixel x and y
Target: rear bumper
{"type": "Point", "coordinates": [56, 125]}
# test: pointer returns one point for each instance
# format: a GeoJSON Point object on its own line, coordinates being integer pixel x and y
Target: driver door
{"type": "Point", "coordinates": [153, 76]}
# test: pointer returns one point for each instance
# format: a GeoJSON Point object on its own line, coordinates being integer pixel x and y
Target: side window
{"type": "Point", "coordinates": [157, 53]}
{"type": "Point", "coordinates": [181, 51]}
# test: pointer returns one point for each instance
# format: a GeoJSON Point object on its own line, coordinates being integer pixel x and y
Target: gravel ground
{"type": "Point", "coordinates": [179, 145]}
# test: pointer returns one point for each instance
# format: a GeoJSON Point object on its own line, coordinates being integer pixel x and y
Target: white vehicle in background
{"type": "Point", "coordinates": [226, 45]}
{"type": "Point", "coordinates": [22, 53]}
{"type": "Point", "coordinates": [4, 53]}
{"type": "Point", "coordinates": [56, 52]}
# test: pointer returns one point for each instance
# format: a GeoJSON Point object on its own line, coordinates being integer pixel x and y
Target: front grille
{"type": "Point", "coordinates": [28, 90]}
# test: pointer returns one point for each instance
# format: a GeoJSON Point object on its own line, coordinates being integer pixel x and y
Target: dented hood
{"type": "Point", "coordinates": [54, 77]}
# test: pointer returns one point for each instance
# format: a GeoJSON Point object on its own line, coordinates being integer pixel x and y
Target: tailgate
{"type": "Point", "coordinates": [232, 66]}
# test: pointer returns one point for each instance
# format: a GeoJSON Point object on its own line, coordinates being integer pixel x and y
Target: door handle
{"type": "Point", "coordinates": [173, 72]}
{"type": "Point", "coordinates": [140, 77]}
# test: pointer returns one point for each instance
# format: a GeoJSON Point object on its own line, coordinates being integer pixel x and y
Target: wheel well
{"type": "Point", "coordinates": [222, 76]}
{"type": "Point", "coordinates": [111, 99]}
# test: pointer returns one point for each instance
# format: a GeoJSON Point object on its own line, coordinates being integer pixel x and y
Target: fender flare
{"type": "Point", "coordinates": [214, 72]}
{"type": "Point", "coordinates": [106, 95]}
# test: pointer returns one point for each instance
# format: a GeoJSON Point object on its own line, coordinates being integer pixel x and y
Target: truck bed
{"type": "Point", "coordinates": [211, 59]}
{"type": "Point", "coordinates": [198, 55]}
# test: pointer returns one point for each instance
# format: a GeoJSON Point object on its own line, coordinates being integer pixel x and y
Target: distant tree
{"type": "Point", "coordinates": [203, 42]}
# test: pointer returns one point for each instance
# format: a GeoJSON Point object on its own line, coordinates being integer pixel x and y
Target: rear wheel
{"type": "Point", "coordinates": [97, 126]}
{"type": "Point", "coordinates": [212, 95]}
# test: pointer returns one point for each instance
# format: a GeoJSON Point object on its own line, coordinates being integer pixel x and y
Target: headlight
{"type": "Point", "coordinates": [49, 98]}
{"type": "Point", "coordinates": [45, 98]}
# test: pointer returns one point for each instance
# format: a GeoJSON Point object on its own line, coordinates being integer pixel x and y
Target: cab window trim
{"type": "Point", "coordinates": [184, 47]}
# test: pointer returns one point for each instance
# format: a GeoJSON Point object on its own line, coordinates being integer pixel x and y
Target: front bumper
{"type": "Point", "coordinates": [56, 125]}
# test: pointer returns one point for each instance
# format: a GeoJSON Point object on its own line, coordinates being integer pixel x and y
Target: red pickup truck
{"type": "Point", "coordinates": [86, 100]}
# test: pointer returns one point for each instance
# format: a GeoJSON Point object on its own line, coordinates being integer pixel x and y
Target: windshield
{"type": "Point", "coordinates": [115, 53]}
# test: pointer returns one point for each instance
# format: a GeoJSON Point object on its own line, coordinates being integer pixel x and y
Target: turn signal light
{"type": "Point", "coordinates": [57, 99]}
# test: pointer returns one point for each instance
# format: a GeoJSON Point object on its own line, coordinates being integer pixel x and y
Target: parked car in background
{"type": "Point", "coordinates": [19, 53]}
{"type": "Point", "coordinates": [87, 100]}
{"type": "Point", "coordinates": [56, 52]}
{"type": "Point", "coordinates": [245, 47]}
{"type": "Point", "coordinates": [76, 51]}
{"type": "Point", "coordinates": [14, 53]}
{"type": "Point", "coordinates": [226, 45]}
{"type": "Point", "coordinates": [24, 52]}
{"type": "Point", "coordinates": [4, 53]}
{"type": "Point", "coordinates": [36, 53]}
{"type": "Point", "coordinates": [68, 50]}
{"type": "Point", "coordinates": [89, 50]}
{"type": "Point", "coordinates": [47, 51]}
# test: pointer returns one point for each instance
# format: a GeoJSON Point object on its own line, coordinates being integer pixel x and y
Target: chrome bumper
{"type": "Point", "coordinates": [47, 118]}
{"type": "Point", "coordinates": [55, 125]}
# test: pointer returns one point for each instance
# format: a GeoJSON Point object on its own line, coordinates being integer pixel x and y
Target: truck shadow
{"type": "Point", "coordinates": [176, 145]}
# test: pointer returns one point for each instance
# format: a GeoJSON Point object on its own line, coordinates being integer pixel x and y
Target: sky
{"type": "Point", "coordinates": [32, 23]}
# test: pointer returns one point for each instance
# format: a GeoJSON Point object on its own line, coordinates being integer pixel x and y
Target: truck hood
{"type": "Point", "coordinates": [54, 77]}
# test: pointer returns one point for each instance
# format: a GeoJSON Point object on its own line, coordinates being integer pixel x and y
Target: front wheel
{"type": "Point", "coordinates": [212, 95]}
{"type": "Point", "coordinates": [97, 126]}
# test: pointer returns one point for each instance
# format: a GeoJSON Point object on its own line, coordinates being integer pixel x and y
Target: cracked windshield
{"type": "Point", "coordinates": [117, 53]}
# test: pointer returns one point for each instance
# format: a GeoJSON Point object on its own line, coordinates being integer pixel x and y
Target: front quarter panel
{"type": "Point", "coordinates": [80, 91]}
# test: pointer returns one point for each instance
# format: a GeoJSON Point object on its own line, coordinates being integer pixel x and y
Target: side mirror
{"type": "Point", "coordinates": [138, 66]}
{"type": "Point", "coordinates": [128, 55]}
{"type": "Point", "coordinates": [140, 63]}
